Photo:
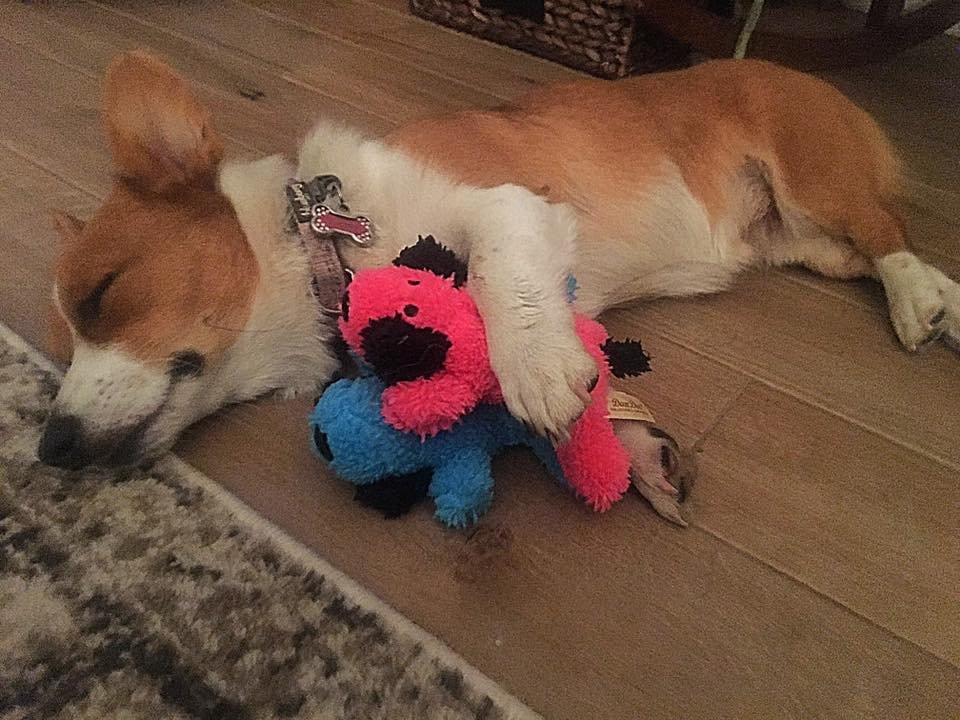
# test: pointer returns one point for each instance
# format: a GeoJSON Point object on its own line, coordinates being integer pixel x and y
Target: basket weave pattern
{"type": "Point", "coordinates": [601, 37]}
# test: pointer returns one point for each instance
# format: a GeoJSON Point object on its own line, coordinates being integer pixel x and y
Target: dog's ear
{"type": "Point", "coordinates": [68, 227]}
{"type": "Point", "coordinates": [161, 137]}
{"type": "Point", "coordinates": [59, 340]}
{"type": "Point", "coordinates": [430, 255]}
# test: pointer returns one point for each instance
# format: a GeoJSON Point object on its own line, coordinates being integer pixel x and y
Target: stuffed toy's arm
{"type": "Point", "coordinates": [520, 248]}
{"type": "Point", "coordinates": [462, 486]}
{"type": "Point", "coordinates": [427, 408]}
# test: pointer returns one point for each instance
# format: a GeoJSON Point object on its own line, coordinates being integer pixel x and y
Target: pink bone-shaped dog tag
{"type": "Point", "coordinates": [354, 227]}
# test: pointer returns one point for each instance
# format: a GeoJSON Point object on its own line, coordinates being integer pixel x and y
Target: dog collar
{"type": "Point", "coordinates": [318, 216]}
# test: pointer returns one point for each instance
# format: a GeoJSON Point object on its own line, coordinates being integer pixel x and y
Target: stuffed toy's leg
{"type": "Point", "coordinates": [462, 487]}
{"type": "Point", "coordinates": [428, 408]}
{"type": "Point", "coordinates": [395, 495]}
{"type": "Point", "coordinates": [594, 461]}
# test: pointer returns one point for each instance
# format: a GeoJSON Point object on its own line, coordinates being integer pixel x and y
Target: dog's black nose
{"type": "Point", "coordinates": [62, 442]}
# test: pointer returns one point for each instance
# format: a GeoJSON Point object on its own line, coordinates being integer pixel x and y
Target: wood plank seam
{"type": "Point", "coordinates": [346, 41]}
{"type": "Point", "coordinates": [701, 439]}
{"type": "Point", "coordinates": [277, 71]}
{"type": "Point", "coordinates": [26, 157]}
{"type": "Point", "coordinates": [857, 300]}
{"type": "Point", "coordinates": [847, 299]}
{"type": "Point", "coordinates": [930, 198]}
{"type": "Point", "coordinates": [923, 205]}
{"type": "Point", "coordinates": [99, 77]}
{"type": "Point", "coordinates": [774, 567]}
{"type": "Point", "coordinates": [798, 395]}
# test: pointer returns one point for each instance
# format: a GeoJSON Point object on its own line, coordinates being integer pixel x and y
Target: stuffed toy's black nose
{"type": "Point", "coordinates": [323, 447]}
{"type": "Point", "coordinates": [399, 351]}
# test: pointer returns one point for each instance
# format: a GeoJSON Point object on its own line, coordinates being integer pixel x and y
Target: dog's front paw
{"type": "Point", "coordinates": [545, 386]}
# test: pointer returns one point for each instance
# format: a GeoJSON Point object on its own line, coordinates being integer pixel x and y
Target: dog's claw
{"type": "Point", "coordinates": [665, 505]}
{"type": "Point", "coordinates": [583, 391]}
{"type": "Point", "coordinates": [924, 303]}
{"type": "Point", "coordinates": [659, 470]}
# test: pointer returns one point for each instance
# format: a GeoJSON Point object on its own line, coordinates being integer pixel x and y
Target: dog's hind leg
{"type": "Point", "coordinates": [868, 240]}
{"type": "Point", "coordinates": [847, 185]}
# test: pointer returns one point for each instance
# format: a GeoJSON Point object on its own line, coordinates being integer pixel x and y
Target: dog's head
{"type": "Point", "coordinates": [151, 292]}
{"type": "Point", "coordinates": [415, 320]}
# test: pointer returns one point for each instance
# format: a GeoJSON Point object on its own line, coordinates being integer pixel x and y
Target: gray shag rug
{"type": "Point", "coordinates": [152, 594]}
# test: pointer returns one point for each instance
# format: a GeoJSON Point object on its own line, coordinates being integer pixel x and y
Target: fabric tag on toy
{"type": "Point", "coordinates": [623, 406]}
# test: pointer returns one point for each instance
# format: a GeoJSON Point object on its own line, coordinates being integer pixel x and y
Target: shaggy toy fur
{"type": "Point", "coordinates": [348, 430]}
{"type": "Point", "coordinates": [422, 333]}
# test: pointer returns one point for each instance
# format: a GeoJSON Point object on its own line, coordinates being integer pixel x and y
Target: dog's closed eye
{"type": "Point", "coordinates": [88, 309]}
{"type": "Point", "coordinates": [186, 364]}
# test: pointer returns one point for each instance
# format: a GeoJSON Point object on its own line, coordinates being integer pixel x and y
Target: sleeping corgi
{"type": "Point", "coordinates": [186, 291]}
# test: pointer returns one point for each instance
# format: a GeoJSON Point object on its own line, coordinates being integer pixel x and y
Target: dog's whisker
{"type": "Point", "coordinates": [256, 331]}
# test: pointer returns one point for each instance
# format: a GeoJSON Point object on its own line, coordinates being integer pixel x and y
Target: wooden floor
{"type": "Point", "coordinates": [821, 574]}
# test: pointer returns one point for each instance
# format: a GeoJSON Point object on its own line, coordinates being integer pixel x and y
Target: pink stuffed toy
{"type": "Point", "coordinates": [420, 331]}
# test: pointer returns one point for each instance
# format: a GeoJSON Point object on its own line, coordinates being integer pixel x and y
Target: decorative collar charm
{"type": "Point", "coordinates": [320, 218]}
{"type": "Point", "coordinates": [354, 228]}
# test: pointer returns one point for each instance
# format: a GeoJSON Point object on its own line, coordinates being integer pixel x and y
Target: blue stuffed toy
{"type": "Point", "coordinates": [423, 421]}
{"type": "Point", "coordinates": [452, 467]}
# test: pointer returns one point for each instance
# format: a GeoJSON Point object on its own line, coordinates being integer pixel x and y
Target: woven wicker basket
{"type": "Point", "coordinates": [602, 37]}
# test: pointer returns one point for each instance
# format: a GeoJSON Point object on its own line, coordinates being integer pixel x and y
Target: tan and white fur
{"type": "Point", "coordinates": [667, 184]}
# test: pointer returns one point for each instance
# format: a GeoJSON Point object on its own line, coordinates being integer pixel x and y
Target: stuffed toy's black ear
{"type": "Point", "coordinates": [430, 255]}
{"type": "Point", "coordinates": [627, 358]}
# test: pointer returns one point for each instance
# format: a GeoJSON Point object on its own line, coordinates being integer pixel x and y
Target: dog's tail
{"type": "Point", "coordinates": [627, 358]}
